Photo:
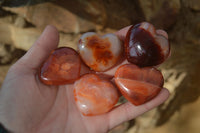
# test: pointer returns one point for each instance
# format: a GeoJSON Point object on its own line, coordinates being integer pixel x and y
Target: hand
{"type": "Point", "coordinates": [27, 105]}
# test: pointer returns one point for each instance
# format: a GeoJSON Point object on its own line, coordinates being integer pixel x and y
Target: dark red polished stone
{"type": "Point", "coordinates": [138, 85]}
{"type": "Point", "coordinates": [61, 67]}
{"type": "Point", "coordinates": [144, 47]}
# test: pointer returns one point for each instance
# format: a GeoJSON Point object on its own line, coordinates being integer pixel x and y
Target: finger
{"type": "Point", "coordinates": [128, 111]}
{"type": "Point", "coordinates": [41, 49]}
{"type": "Point", "coordinates": [162, 32]}
{"type": "Point", "coordinates": [122, 33]}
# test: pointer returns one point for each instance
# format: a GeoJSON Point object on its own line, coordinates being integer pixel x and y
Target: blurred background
{"type": "Point", "coordinates": [22, 21]}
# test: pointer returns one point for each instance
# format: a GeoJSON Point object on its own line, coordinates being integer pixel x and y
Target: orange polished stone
{"type": "Point", "coordinates": [61, 67]}
{"type": "Point", "coordinates": [138, 85]}
{"type": "Point", "coordinates": [94, 96]}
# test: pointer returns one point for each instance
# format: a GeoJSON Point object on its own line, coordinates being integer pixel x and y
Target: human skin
{"type": "Point", "coordinates": [27, 105]}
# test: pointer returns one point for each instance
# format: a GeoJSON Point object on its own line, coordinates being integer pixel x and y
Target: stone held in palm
{"type": "Point", "coordinates": [138, 85]}
{"type": "Point", "coordinates": [145, 47]}
{"type": "Point", "coordinates": [94, 96]}
{"type": "Point", "coordinates": [62, 67]}
{"type": "Point", "coordinates": [100, 53]}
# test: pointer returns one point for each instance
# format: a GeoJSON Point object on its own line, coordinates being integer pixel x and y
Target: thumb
{"type": "Point", "coordinates": [128, 111]}
{"type": "Point", "coordinates": [41, 49]}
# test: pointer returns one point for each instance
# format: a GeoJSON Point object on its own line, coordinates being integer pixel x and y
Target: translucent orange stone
{"type": "Point", "coordinates": [94, 96]}
{"type": "Point", "coordinates": [138, 85]}
{"type": "Point", "coordinates": [61, 67]}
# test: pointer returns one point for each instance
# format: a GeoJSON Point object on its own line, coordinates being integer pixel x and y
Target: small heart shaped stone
{"type": "Point", "coordinates": [94, 96]}
{"type": "Point", "coordinates": [61, 67]}
{"type": "Point", "coordinates": [100, 53]}
{"type": "Point", "coordinates": [138, 85]}
{"type": "Point", "coordinates": [144, 47]}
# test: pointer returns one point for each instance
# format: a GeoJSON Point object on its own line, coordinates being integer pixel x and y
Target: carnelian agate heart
{"type": "Point", "coordinates": [99, 52]}
{"type": "Point", "coordinates": [94, 96]}
{"type": "Point", "coordinates": [61, 67]}
{"type": "Point", "coordinates": [138, 85]}
{"type": "Point", "coordinates": [144, 47]}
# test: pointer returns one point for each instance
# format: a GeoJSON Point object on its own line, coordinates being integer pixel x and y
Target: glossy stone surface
{"type": "Point", "coordinates": [144, 47]}
{"type": "Point", "coordinates": [61, 67]}
{"type": "Point", "coordinates": [94, 96]}
{"type": "Point", "coordinates": [138, 85]}
{"type": "Point", "coordinates": [100, 53]}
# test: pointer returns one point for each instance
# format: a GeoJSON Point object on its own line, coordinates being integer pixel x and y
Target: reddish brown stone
{"type": "Point", "coordinates": [145, 47]}
{"type": "Point", "coordinates": [62, 67]}
{"type": "Point", "coordinates": [138, 85]}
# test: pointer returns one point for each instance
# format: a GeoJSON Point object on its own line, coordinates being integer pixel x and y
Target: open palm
{"type": "Point", "coordinates": [27, 105]}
